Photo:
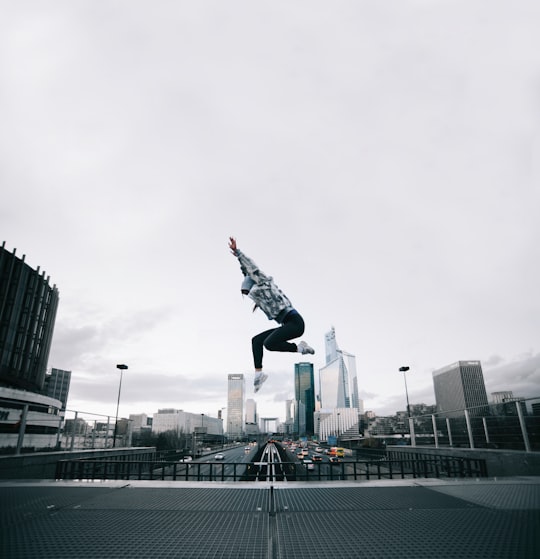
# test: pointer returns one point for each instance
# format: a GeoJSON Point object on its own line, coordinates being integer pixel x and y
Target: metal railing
{"type": "Point", "coordinates": [36, 427]}
{"type": "Point", "coordinates": [432, 467]}
{"type": "Point", "coordinates": [24, 429]}
{"type": "Point", "coordinates": [509, 425]}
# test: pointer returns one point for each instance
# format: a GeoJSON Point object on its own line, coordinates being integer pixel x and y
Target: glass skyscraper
{"type": "Point", "coordinates": [304, 393]}
{"type": "Point", "coordinates": [235, 405]}
{"type": "Point", "coordinates": [338, 378]}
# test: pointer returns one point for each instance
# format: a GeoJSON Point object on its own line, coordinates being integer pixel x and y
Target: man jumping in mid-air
{"type": "Point", "coordinates": [275, 305]}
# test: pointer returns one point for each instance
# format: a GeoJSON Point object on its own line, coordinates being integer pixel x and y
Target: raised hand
{"type": "Point", "coordinates": [232, 245]}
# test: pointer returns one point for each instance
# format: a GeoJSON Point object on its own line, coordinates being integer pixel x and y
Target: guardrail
{"type": "Point", "coordinates": [439, 467]}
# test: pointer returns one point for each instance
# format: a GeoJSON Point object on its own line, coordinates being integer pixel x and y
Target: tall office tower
{"type": "Point", "coordinates": [57, 385]}
{"type": "Point", "coordinates": [338, 378]}
{"type": "Point", "coordinates": [27, 314]}
{"type": "Point", "coordinates": [251, 422]}
{"type": "Point", "coordinates": [304, 392]}
{"type": "Point", "coordinates": [460, 386]}
{"type": "Point", "coordinates": [289, 410]}
{"type": "Point", "coordinates": [251, 411]}
{"type": "Point", "coordinates": [290, 407]}
{"type": "Point", "coordinates": [235, 405]}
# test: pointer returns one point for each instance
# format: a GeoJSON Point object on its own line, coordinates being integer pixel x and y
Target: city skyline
{"type": "Point", "coordinates": [381, 167]}
{"type": "Point", "coordinates": [280, 410]}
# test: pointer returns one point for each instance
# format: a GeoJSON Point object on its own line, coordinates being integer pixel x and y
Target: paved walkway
{"type": "Point", "coordinates": [420, 519]}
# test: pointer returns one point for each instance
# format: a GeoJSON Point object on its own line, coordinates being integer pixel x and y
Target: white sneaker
{"type": "Point", "coordinates": [303, 348]}
{"type": "Point", "coordinates": [259, 381]}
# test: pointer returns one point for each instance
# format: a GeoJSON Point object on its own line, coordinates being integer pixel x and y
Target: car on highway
{"type": "Point", "coordinates": [337, 451]}
{"type": "Point", "coordinates": [219, 456]}
{"type": "Point", "coordinates": [309, 464]}
{"type": "Point", "coordinates": [319, 449]}
{"type": "Point", "coordinates": [335, 460]}
{"type": "Point", "coordinates": [316, 458]}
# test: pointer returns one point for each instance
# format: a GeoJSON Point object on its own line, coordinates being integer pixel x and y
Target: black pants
{"type": "Point", "coordinates": [276, 339]}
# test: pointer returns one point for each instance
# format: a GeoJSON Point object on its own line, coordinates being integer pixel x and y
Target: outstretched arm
{"type": "Point", "coordinates": [248, 267]}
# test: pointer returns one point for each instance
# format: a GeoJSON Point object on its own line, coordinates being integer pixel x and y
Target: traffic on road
{"type": "Point", "coordinates": [273, 461]}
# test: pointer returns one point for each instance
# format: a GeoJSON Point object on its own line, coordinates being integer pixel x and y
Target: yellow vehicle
{"type": "Point", "coordinates": [337, 451]}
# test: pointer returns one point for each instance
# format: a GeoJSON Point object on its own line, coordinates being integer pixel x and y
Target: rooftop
{"type": "Point", "coordinates": [422, 518]}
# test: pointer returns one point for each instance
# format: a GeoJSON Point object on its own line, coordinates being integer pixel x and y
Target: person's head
{"type": "Point", "coordinates": [247, 284]}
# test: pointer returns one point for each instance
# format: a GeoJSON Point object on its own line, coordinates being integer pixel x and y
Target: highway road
{"type": "Point", "coordinates": [238, 463]}
{"type": "Point", "coordinates": [232, 466]}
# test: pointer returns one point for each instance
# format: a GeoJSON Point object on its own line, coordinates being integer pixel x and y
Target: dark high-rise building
{"type": "Point", "coordinates": [57, 385]}
{"type": "Point", "coordinates": [28, 307]}
{"type": "Point", "coordinates": [304, 392]}
{"type": "Point", "coordinates": [460, 386]}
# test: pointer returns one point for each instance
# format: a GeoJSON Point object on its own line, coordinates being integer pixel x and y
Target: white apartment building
{"type": "Point", "coordinates": [173, 420]}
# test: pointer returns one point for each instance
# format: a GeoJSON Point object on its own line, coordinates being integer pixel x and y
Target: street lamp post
{"type": "Point", "coordinates": [404, 371]}
{"type": "Point", "coordinates": [122, 369]}
{"type": "Point", "coordinates": [222, 429]}
{"type": "Point", "coordinates": [202, 432]}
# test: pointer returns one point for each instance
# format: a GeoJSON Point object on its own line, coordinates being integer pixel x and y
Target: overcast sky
{"type": "Point", "coordinates": [381, 160]}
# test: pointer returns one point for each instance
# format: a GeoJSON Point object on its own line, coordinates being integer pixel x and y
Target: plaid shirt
{"type": "Point", "coordinates": [265, 293]}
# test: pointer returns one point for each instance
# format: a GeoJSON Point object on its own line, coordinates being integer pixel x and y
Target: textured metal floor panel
{"type": "Point", "coordinates": [363, 498]}
{"type": "Point", "coordinates": [188, 499]}
{"type": "Point", "coordinates": [24, 502]}
{"type": "Point", "coordinates": [351, 521]}
{"type": "Point", "coordinates": [91, 534]}
{"type": "Point", "coordinates": [418, 534]}
{"type": "Point", "coordinates": [500, 496]}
